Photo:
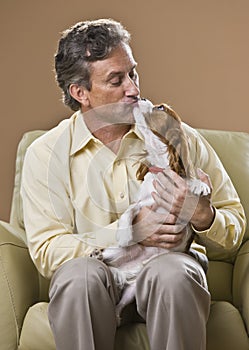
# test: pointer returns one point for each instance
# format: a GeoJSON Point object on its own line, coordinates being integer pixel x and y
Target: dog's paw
{"type": "Point", "coordinates": [198, 187]}
{"type": "Point", "coordinates": [97, 254]}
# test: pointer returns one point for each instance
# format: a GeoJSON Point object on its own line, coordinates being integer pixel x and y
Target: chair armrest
{"type": "Point", "coordinates": [19, 284]}
{"type": "Point", "coordinates": [241, 283]}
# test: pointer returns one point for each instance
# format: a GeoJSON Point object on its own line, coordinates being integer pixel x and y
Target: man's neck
{"type": "Point", "coordinates": [109, 134]}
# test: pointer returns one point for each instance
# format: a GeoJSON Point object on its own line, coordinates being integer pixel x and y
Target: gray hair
{"type": "Point", "coordinates": [83, 43]}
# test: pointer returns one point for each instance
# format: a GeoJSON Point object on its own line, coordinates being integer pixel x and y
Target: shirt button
{"type": "Point", "coordinates": [118, 162]}
{"type": "Point", "coordinates": [121, 195]}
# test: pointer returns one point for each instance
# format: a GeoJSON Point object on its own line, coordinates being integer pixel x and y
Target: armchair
{"type": "Point", "coordinates": [24, 292]}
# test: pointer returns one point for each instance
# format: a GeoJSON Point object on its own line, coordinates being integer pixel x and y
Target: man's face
{"type": "Point", "coordinates": [114, 83]}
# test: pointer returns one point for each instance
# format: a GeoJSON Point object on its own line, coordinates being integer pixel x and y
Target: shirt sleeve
{"type": "Point", "coordinates": [49, 214]}
{"type": "Point", "coordinates": [225, 235]}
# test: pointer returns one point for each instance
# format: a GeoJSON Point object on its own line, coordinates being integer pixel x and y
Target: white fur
{"type": "Point", "coordinates": [127, 260]}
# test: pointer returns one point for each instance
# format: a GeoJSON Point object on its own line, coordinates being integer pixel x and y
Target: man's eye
{"type": "Point", "coordinates": [116, 82]}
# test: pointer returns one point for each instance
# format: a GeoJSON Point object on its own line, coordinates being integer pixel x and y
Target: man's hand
{"type": "Point", "coordinates": [158, 230]}
{"type": "Point", "coordinates": [166, 230]}
{"type": "Point", "coordinates": [172, 194]}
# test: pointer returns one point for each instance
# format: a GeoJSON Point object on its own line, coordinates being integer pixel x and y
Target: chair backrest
{"type": "Point", "coordinates": [232, 147]}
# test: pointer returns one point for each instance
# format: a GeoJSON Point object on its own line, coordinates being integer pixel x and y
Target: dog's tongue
{"type": "Point", "coordinates": [155, 169]}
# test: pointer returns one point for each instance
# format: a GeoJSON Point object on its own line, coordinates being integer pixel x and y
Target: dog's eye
{"type": "Point", "coordinates": [159, 108]}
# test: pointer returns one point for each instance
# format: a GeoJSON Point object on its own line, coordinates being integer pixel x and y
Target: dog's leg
{"type": "Point", "coordinates": [124, 232]}
{"type": "Point", "coordinates": [128, 296]}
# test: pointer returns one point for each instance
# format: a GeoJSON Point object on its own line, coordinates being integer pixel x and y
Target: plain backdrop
{"type": "Point", "coordinates": [191, 54]}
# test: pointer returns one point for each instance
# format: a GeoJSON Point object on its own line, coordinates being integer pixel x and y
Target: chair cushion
{"type": "Point", "coordinates": [225, 330]}
{"type": "Point", "coordinates": [36, 332]}
{"type": "Point", "coordinates": [37, 335]}
{"type": "Point", "coordinates": [220, 277]}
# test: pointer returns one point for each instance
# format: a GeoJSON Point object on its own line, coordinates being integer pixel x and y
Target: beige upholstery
{"type": "Point", "coordinates": [24, 293]}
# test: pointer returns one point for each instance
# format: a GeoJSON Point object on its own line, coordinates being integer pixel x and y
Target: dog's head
{"type": "Point", "coordinates": [166, 124]}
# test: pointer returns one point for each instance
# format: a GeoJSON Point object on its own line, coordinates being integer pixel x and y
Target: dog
{"type": "Point", "coordinates": [166, 146]}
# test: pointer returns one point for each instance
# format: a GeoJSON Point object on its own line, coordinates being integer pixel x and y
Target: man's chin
{"type": "Point", "coordinates": [116, 113]}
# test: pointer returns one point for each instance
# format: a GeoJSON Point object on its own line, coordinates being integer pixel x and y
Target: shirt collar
{"type": "Point", "coordinates": [81, 135]}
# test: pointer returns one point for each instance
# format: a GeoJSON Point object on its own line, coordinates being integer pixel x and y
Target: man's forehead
{"type": "Point", "coordinates": [120, 60]}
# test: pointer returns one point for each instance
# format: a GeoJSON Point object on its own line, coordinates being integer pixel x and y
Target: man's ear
{"type": "Point", "coordinates": [80, 94]}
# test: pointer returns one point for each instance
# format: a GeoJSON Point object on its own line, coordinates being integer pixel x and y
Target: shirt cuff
{"type": "Point", "coordinates": [213, 228]}
{"type": "Point", "coordinates": [215, 232]}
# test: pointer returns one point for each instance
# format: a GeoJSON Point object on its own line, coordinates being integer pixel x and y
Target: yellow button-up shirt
{"type": "Point", "coordinates": [74, 190]}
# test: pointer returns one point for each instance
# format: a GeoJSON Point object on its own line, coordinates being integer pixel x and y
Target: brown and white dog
{"type": "Point", "coordinates": [166, 145]}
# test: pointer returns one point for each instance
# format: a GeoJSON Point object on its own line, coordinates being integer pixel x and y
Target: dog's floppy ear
{"type": "Point", "coordinates": [167, 125]}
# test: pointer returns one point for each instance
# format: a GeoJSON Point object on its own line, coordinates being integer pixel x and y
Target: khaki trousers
{"type": "Point", "coordinates": [171, 296]}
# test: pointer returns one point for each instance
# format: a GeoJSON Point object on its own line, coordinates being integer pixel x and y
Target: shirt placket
{"type": "Point", "coordinates": [120, 186]}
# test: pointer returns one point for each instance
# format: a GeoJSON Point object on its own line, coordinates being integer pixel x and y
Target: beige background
{"type": "Point", "coordinates": [192, 54]}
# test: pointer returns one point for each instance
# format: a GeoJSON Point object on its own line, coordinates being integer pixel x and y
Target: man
{"type": "Point", "coordinates": [81, 176]}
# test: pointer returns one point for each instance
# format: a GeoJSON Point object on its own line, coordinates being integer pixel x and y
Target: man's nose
{"type": "Point", "coordinates": [132, 87]}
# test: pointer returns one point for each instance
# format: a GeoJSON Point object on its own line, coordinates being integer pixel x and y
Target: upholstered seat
{"type": "Point", "coordinates": [24, 293]}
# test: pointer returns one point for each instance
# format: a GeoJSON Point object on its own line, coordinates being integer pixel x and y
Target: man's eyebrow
{"type": "Point", "coordinates": [114, 74]}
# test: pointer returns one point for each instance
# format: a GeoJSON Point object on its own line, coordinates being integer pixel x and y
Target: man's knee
{"type": "Point", "coordinates": [173, 269]}
{"type": "Point", "coordinates": [78, 275]}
